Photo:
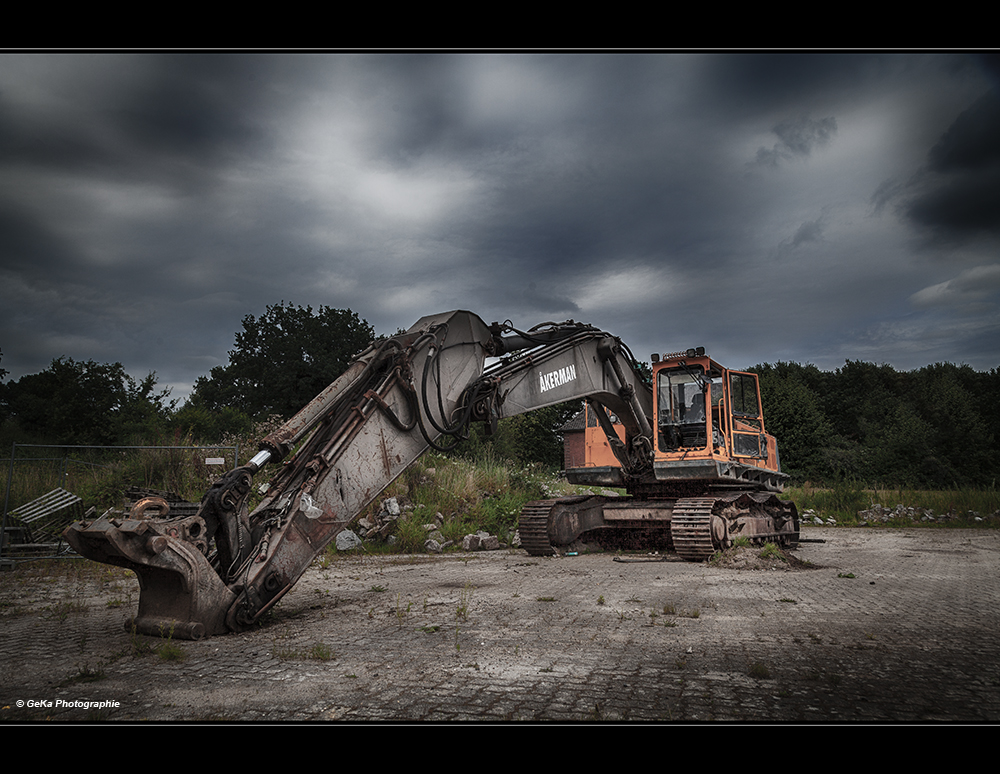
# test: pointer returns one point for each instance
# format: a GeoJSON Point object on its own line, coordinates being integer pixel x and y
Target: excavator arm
{"type": "Point", "coordinates": [220, 570]}
{"type": "Point", "coordinates": [573, 361]}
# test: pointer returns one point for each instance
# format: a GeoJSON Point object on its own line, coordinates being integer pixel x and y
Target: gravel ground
{"type": "Point", "coordinates": [882, 625]}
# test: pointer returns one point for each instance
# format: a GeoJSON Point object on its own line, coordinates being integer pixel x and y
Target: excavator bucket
{"type": "Point", "coordinates": [181, 595]}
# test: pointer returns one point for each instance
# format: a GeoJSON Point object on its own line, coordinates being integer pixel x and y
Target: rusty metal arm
{"type": "Point", "coordinates": [574, 361]}
{"type": "Point", "coordinates": [338, 453]}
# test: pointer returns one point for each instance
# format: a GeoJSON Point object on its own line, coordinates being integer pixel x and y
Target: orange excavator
{"type": "Point", "coordinates": [694, 459]}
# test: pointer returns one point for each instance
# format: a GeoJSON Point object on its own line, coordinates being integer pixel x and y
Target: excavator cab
{"type": "Point", "coordinates": [711, 473]}
{"type": "Point", "coordinates": [709, 423]}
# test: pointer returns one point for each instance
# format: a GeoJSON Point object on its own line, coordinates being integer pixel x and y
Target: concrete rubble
{"type": "Point", "coordinates": [380, 527]}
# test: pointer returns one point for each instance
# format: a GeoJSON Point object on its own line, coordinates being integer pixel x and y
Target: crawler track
{"type": "Point", "coordinates": [691, 528]}
{"type": "Point", "coordinates": [533, 527]}
{"type": "Point", "coordinates": [699, 526]}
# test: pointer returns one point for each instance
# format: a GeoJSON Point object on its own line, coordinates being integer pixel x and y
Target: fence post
{"type": "Point", "coordinates": [6, 499]}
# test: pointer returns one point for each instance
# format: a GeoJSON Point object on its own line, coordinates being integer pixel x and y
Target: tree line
{"type": "Point", "coordinates": [280, 361]}
{"type": "Point", "coordinates": [933, 427]}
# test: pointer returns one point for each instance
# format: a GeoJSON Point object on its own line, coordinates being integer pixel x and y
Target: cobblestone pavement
{"type": "Point", "coordinates": [911, 637]}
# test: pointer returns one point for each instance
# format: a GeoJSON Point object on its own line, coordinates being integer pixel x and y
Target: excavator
{"type": "Point", "coordinates": [696, 464]}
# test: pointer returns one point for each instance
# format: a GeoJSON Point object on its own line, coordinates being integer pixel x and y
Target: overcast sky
{"type": "Point", "coordinates": [813, 208]}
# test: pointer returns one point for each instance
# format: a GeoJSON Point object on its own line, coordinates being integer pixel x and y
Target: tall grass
{"type": "Point", "coordinates": [480, 492]}
{"type": "Point", "coordinates": [843, 501]}
{"type": "Point", "coordinates": [100, 477]}
{"type": "Point", "coordinates": [485, 492]}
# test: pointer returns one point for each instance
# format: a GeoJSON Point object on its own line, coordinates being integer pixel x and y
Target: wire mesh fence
{"type": "Point", "coordinates": [50, 486]}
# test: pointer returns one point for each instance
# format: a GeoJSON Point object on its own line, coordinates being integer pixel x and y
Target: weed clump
{"type": "Point", "coordinates": [759, 671]}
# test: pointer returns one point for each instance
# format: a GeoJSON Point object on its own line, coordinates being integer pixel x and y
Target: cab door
{"type": "Point", "coordinates": [746, 421]}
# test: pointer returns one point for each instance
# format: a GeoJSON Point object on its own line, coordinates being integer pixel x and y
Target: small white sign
{"type": "Point", "coordinates": [215, 460]}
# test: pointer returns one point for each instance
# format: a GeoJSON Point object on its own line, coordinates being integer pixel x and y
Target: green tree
{"type": "Point", "coordinates": [931, 427]}
{"type": "Point", "coordinates": [77, 402]}
{"type": "Point", "coordinates": [283, 359]}
{"type": "Point", "coordinates": [4, 405]}
{"type": "Point", "coordinates": [793, 414]}
{"type": "Point", "coordinates": [530, 437]}
{"type": "Point", "coordinates": [949, 398]}
{"type": "Point", "coordinates": [203, 425]}
{"type": "Point", "coordinates": [897, 448]}
{"type": "Point", "coordinates": [861, 397]}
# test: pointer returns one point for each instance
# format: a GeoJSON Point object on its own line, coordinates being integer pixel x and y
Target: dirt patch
{"type": "Point", "coordinates": [767, 557]}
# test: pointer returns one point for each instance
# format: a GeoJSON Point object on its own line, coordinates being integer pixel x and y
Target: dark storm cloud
{"type": "Point", "coordinates": [960, 206]}
{"type": "Point", "coordinates": [133, 115]}
{"type": "Point", "coordinates": [28, 245]}
{"type": "Point", "coordinates": [195, 105]}
{"type": "Point", "coordinates": [32, 140]}
{"type": "Point", "coordinates": [956, 194]}
{"type": "Point", "coordinates": [973, 140]}
{"type": "Point", "coordinates": [418, 103]}
{"type": "Point", "coordinates": [885, 194]}
{"type": "Point", "coordinates": [963, 183]}
{"type": "Point", "coordinates": [758, 83]}
{"type": "Point", "coordinates": [561, 204]}
{"type": "Point", "coordinates": [617, 184]}
{"type": "Point", "coordinates": [148, 203]}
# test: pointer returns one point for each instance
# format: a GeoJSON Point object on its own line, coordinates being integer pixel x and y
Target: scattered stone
{"type": "Point", "coordinates": [381, 524]}
{"type": "Point", "coordinates": [391, 507]}
{"type": "Point", "coordinates": [480, 541]}
{"type": "Point", "coordinates": [882, 514]}
{"type": "Point", "coordinates": [489, 543]}
{"type": "Point", "coordinates": [347, 540]}
{"type": "Point", "coordinates": [470, 543]}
